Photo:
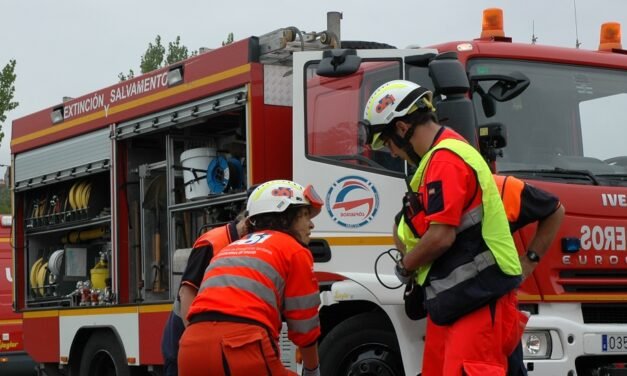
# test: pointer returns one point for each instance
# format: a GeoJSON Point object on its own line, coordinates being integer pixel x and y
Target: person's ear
{"type": "Point", "coordinates": [401, 127]}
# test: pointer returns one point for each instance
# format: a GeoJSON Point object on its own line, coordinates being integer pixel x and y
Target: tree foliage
{"type": "Point", "coordinates": [153, 57]}
{"type": "Point", "coordinates": [7, 90]}
{"type": "Point", "coordinates": [177, 52]}
{"type": "Point", "coordinates": [156, 56]}
{"type": "Point", "coordinates": [5, 199]}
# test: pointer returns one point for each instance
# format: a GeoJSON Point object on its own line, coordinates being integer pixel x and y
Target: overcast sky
{"type": "Point", "coordinates": [73, 47]}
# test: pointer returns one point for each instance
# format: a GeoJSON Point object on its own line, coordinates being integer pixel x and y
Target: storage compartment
{"type": "Point", "coordinates": [181, 179]}
{"type": "Point", "coordinates": [68, 226]}
{"type": "Point", "coordinates": [68, 203]}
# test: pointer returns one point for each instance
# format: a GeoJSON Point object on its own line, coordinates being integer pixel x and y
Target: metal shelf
{"type": "Point", "coordinates": [214, 200]}
{"type": "Point", "coordinates": [68, 226]}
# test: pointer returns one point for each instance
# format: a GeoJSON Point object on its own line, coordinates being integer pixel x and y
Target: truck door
{"type": "Point", "coordinates": [361, 187]}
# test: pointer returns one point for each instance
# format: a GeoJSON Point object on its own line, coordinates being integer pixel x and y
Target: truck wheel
{"type": "Point", "coordinates": [103, 356]}
{"type": "Point", "coordinates": [362, 345]}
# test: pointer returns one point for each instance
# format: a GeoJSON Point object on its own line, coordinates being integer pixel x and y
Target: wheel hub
{"type": "Point", "coordinates": [371, 361]}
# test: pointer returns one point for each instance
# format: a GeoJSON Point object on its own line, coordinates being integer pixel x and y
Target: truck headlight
{"type": "Point", "coordinates": [537, 344]}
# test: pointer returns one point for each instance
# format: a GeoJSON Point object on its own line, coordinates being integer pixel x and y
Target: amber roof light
{"type": "Point", "coordinates": [610, 37]}
{"type": "Point", "coordinates": [492, 25]}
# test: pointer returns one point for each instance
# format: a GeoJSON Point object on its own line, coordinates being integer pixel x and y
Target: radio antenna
{"type": "Point", "coordinates": [577, 43]}
{"type": "Point", "coordinates": [534, 37]}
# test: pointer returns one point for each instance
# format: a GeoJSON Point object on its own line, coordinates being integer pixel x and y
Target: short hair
{"type": "Point", "coordinates": [419, 117]}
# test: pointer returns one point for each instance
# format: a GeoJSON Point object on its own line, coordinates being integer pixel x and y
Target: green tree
{"type": "Point", "coordinates": [177, 52]}
{"type": "Point", "coordinates": [5, 199]}
{"type": "Point", "coordinates": [7, 90]}
{"type": "Point", "coordinates": [153, 57]}
{"type": "Point", "coordinates": [124, 77]}
{"type": "Point", "coordinates": [156, 56]}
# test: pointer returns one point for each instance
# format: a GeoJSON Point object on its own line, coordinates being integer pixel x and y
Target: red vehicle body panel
{"type": "Point", "coordinates": [10, 322]}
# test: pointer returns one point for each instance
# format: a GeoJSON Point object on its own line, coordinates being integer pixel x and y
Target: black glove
{"type": "Point", "coordinates": [402, 274]}
{"type": "Point", "coordinates": [311, 372]}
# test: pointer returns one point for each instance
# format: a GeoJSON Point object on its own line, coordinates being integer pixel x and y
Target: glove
{"type": "Point", "coordinates": [402, 274]}
{"type": "Point", "coordinates": [311, 372]}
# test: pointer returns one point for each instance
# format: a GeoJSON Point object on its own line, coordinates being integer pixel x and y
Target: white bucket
{"type": "Point", "coordinates": [195, 163]}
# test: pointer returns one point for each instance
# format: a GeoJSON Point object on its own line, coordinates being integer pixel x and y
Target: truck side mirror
{"type": "Point", "coordinates": [448, 75]}
{"type": "Point", "coordinates": [338, 62]}
{"type": "Point", "coordinates": [487, 102]}
{"type": "Point", "coordinates": [453, 107]}
{"type": "Point", "coordinates": [505, 90]}
{"type": "Point", "coordinates": [506, 87]}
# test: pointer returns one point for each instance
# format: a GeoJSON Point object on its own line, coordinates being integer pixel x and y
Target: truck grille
{"type": "Point", "coordinates": [601, 281]}
{"type": "Point", "coordinates": [613, 313]}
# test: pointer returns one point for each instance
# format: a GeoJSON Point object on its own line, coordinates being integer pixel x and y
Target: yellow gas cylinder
{"type": "Point", "coordinates": [99, 273]}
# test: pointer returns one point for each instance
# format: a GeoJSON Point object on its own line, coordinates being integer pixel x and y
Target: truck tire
{"type": "Point", "coordinates": [364, 45]}
{"type": "Point", "coordinates": [103, 356]}
{"type": "Point", "coordinates": [361, 345]}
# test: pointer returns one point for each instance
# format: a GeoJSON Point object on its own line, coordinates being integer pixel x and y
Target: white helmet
{"type": "Point", "coordinates": [392, 100]}
{"type": "Point", "coordinates": [275, 196]}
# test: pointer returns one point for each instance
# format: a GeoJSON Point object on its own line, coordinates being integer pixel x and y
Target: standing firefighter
{"type": "Point", "coordinates": [456, 233]}
{"type": "Point", "coordinates": [254, 283]}
{"type": "Point", "coordinates": [524, 204]}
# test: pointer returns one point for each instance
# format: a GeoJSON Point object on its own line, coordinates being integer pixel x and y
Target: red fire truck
{"type": "Point", "coordinates": [13, 358]}
{"type": "Point", "coordinates": [111, 188]}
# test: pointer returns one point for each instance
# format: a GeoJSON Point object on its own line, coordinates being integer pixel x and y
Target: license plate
{"type": "Point", "coordinates": [614, 343]}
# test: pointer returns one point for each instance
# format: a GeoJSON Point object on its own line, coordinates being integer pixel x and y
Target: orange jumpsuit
{"type": "Point", "coordinates": [248, 289]}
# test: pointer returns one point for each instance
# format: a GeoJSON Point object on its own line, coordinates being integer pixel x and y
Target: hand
{"type": "Point", "coordinates": [311, 372]}
{"type": "Point", "coordinates": [527, 266]}
{"type": "Point", "coordinates": [402, 274]}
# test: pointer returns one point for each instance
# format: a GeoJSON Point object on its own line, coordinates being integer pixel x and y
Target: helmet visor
{"type": "Point", "coordinates": [313, 197]}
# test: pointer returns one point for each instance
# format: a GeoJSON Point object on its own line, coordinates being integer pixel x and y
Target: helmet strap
{"type": "Point", "coordinates": [409, 148]}
{"type": "Point", "coordinates": [404, 144]}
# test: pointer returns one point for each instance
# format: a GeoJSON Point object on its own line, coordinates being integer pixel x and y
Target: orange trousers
{"type": "Point", "coordinates": [228, 349]}
{"type": "Point", "coordinates": [477, 344]}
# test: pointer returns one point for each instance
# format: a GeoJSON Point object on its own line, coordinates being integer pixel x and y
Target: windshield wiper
{"type": "Point", "coordinates": [621, 177]}
{"type": "Point", "coordinates": [556, 172]}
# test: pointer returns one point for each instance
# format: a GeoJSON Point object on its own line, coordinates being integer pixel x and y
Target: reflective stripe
{"type": "Point", "coordinates": [302, 302]}
{"type": "Point", "coordinates": [257, 288]}
{"type": "Point", "coordinates": [470, 218]}
{"type": "Point", "coordinates": [252, 263]}
{"type": "Point", "coordinates": [303, 326]}
{"type": "Point", "coordinates": [460, 274]}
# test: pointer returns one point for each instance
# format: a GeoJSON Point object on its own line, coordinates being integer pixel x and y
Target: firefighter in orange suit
{"type": "Point", "coordinates": [455, 230]}
{"type": "Point", "coordinates": [254, 283]}
{"type": "Point", "coordinates": [523, 204]}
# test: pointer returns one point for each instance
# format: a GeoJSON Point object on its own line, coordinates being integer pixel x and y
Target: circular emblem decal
{"type": "Point", "coordinates": [352, 201]}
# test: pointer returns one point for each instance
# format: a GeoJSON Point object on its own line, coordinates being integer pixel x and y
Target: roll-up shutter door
{"type": "Point", "coordinates": [179, 116]}
{"type": "Point", "coordinates": [64, 160]}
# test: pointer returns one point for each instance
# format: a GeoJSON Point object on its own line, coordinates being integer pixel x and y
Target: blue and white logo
{"type": "Point", "coordinates": [352, 201]}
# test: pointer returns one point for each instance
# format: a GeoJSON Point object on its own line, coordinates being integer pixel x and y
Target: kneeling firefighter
{"type": "Point", "coordinates": [253, 283]}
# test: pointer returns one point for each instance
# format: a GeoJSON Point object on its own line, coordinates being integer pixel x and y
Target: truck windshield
{"type": "Point", "coordinates": [570, 123]}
